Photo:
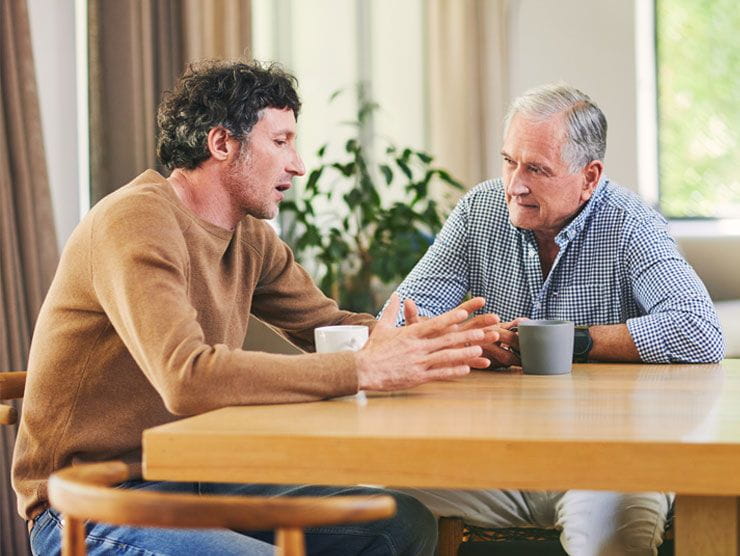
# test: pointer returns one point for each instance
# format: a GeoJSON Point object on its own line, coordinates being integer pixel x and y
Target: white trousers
{"type": "Point", "coordinates": [592, 523]}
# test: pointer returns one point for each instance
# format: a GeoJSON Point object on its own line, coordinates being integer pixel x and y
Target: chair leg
{"type": "Point", "coordinates": [450, 536]}
{"type": "Point", "coordinates": [290, 542]}
{"type": "Point", "coordinates": [73, 537]}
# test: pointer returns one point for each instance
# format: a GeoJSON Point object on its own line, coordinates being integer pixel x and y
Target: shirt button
{"type": "Point", "coordinates": [532, 253]}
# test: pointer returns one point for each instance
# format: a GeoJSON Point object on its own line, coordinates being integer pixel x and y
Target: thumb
{"type": "Point", "coordinates": [410, 312]}
{"type": "Point", "coordinates": [389, 316]}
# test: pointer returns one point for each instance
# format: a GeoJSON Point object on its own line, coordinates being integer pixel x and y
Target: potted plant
{"type": "Point", "coordinates": [345, 228]}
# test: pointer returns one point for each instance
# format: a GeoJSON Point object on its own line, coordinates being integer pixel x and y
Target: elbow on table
{"type": "Point", "coordinates": [704, 343]}
{"type": "Point", "coordinates": [180, 400]}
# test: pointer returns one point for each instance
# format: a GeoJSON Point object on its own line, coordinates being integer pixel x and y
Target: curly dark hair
{"type": "Point", "coordinates": [216, 93]}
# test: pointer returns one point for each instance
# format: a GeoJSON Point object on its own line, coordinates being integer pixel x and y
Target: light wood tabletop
{"type": "Point", "coordinates": [604, 426]}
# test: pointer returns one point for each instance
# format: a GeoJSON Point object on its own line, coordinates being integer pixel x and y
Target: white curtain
{"type": "Point", "coordinates": [468, 80]}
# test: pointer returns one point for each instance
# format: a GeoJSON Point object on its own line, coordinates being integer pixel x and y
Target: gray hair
{"type": "Point", "coordinates": [586, 123]}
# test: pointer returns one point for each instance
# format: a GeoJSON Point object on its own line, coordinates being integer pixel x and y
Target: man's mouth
{"type": "Point", "coordinates": [521, 204]}
{"type": "Point", "coordinates": [282, 187]}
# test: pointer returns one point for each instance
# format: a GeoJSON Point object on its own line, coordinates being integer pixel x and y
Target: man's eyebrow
{"type": "Point", "coordinates": [540, 165]}
{"type": "Point", "coordinates": [543, 167]}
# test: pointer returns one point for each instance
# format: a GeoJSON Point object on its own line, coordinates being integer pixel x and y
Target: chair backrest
{"type": "Point", "coordinates": [12, 385]}
{"type": "Point", "coordinates": [84, 492]}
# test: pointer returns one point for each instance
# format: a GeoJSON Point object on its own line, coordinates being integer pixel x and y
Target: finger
{"type": "Point", "coordinates": [501, 356]}
{"type": "Point", "coordinates": [457, 339]}
{"type": "Point", "coordinates": [451, 357]}
{"type": "Point", "coordinates": [410, 311]}
{"type": "Point", "coordinates": [472, 305]}
{"type": "Point", "coordinates": [389, 316]}
{"type": "Point", "coordinates": [446, 373]}
{"type": "Point", "coordinates": [492, 332]}
{"type": "Point", "coordinates": [480, 321]}
{"type": "Point", "coordinates": [508, 337]}
{"type": "Point", "coordinates": [478, 363]}
{"type": "Point", "coordinates": [440, 324]}
{"type": "Point", "coordinates": [492, 335]}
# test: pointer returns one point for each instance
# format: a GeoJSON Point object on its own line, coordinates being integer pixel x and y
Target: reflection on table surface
{"type": "Point", "coordinates": [596, 401]}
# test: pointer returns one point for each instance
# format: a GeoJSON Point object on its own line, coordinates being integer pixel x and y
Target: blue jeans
{"type": "Point", "coordinates": [412, 531]}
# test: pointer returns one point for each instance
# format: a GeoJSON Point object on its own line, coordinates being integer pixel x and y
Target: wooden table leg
{"type": "Point", "coordinates": [707, 525]}
{"type": "Point", "coordinates": [450, 536]}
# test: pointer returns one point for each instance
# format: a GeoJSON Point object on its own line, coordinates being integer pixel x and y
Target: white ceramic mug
{"type": "Point", "coordinates": [330, 339]}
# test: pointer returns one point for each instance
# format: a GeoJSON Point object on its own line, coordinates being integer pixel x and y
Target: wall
{"type": "Point", "coordinates": [53, 39]}
{"type": "Point", "coordinates": [590, 45]}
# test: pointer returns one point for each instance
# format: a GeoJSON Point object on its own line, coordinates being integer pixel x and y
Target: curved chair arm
{"type": "Point", "coordinates": [83, 492]}
{"type": "Point", "coordinates": [8, 415]}
{"type": "Point", "coordinates": [12, 385]}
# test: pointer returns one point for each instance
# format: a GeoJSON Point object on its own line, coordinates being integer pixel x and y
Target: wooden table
{"type": "Point", "coordinates": [605, 426]}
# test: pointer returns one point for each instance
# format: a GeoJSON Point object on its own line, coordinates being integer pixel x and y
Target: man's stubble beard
{"type": "Point", "coordinates": [239, 188]}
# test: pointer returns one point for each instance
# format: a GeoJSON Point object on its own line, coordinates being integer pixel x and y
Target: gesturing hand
{"type": "Point", "coordinates": [489, 323]}
{"type": "Point", "coordinates": [437, 348]}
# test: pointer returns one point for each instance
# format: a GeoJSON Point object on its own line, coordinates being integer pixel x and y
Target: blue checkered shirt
{"type": "Point", "coordinates": [616, 264]}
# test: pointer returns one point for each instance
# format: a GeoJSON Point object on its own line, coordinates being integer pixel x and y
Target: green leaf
{"type": "Point", "coordinates": [346, 170]}
{"type": "Point", "coordinates": [351, 146]}
{"type": "Point", "coordinates": [313, 179]}
{"type": "Point", "coordinates": [445, 176]}
{"type": "Point", "coordinates": [404, 168]}
{"type": "Point", "coordinates": [387, 173]}
{"type": "Point", "coordinates": [424, 157]}
{"type": "Point", "coordinates": [288, 206]}
{"type": "Point", "coordinates": [322, 150]}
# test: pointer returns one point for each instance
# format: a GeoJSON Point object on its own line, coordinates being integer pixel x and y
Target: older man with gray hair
{"type": "Point", "coordinates": [555, 239]}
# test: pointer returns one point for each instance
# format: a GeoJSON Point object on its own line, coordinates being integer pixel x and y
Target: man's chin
{"type": "Point", "coordinates": [519, 222]}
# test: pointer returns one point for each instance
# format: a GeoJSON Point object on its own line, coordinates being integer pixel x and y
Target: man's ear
{"type": "Point", "coordinates": [591, 176]}
{"type": "Point", "coordinates": [220, 143]}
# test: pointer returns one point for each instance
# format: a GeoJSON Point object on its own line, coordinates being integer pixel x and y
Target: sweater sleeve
{"type": "Point", "coordinates": [139, 264]}
{"type": "Point", "coordinates": [287, 297]}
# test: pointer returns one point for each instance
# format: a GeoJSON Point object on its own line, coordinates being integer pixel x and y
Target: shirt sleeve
{"type": "Point", "coordinates": [680, 324]}
{"type": "Point", "coordinates": [440, 280]}
{"type": "Point", "coordinates": [288, 298]}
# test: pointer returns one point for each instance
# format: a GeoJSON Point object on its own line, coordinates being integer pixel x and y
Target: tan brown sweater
{"type": "Point", "coordinates": [144, 322]}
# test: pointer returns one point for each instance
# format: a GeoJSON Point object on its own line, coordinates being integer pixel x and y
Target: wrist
{"type": "Point", "coordinates": [582, 344]}
{"type": "Point", "coordinates": [361, 369]}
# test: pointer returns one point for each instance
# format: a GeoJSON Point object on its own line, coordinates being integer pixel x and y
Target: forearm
{"type": "Point", "coordinates": [612, 342]}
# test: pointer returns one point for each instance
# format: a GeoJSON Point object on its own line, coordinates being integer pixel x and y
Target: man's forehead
{"type": "Point", "coordinates": [543, 137]}
{"type": "Point", "coordinates": [277, 120]}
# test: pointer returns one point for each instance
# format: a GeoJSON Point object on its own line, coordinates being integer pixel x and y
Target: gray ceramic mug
{"type": "Point", "coordinates": [546, 346]}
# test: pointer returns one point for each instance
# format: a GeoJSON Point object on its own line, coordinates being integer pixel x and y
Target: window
{"type": "Point", "coordinates": [698, 80]}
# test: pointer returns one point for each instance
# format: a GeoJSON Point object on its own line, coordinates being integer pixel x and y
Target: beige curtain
{"type": "Point", "coordinates": [468, 85]}
{"type": "Point", "coordinates": [137, 49]}
{"type": "Point", "coordinates": [28, 247]}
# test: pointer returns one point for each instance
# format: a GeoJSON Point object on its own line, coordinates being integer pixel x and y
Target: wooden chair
{"type": "Point", "coordinates": [83, 492]}
{"type": "Point", "coordinates": [456, 538]}
{"type": "Point", "coordinates": [12, 385]}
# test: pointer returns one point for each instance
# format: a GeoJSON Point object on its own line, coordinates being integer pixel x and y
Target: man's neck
{"type": "Point", "coordinates": [201, 191]}
{"type": "Point", "coordinates": [547, 250]}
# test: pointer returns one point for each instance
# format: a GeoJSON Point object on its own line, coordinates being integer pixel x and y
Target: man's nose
{"type": "Point", "coordinates": [517, 186]}
{"type": "Point", "coordinates": [296, 166]}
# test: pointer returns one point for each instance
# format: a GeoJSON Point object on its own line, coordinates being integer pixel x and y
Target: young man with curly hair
{"type": "Point", "coordinates": [147, 313]}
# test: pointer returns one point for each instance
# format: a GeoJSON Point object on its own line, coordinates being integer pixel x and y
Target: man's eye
{"type": "Point", "coordinates": [535, 170]}
{"type": "Point", "coordinates": [280, 142]}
